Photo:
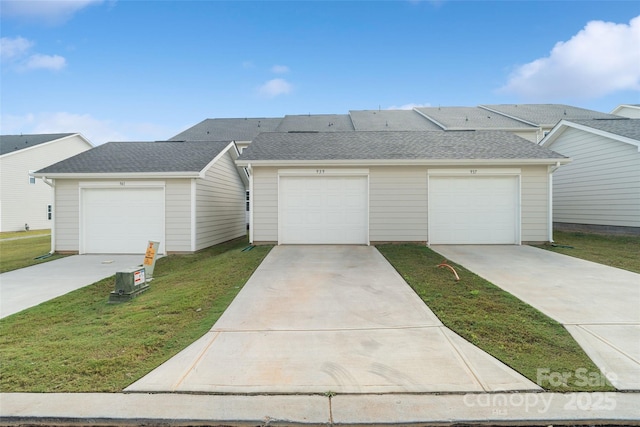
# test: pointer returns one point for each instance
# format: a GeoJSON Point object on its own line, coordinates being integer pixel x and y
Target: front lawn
{"type": "Point", "coordinates": [23, 248]}
{"type": "Point", "coordinates": [616, 251]}
{"type": "Point", "coordinates": [80, 343]}
{"type": "Point", "coordinates": [492, 319]}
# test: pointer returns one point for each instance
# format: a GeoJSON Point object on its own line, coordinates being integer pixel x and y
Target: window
{"type": "Point", "coordinates": [247, 201]}
{"type": "Point", "coordinates": [32, 179]}
{"type": "Point", "coordinates": [49, 212]}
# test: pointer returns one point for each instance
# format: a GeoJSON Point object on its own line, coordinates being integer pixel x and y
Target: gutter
{"type": "Point", "coordinates": [52, 184]}
{"type": "Point", "coordinates": [550, 171]}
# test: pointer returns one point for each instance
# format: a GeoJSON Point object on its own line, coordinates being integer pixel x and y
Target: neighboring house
{"type": "Point", "coordinates": [398, 120]}
{"type": "Point", "coordinates": [240, 131]}
{"type": "Point", "coordinates": [315, 123]}
{"type": "Point", "coordinates": [118, 196]}
{"type": "Point", "coordinates": [475, 118]}
{"type": "Point", "coordinates": [600, 189]}
{"type": "Point", "coordinates": [544, 116]}
{"type": "Point", "coordinates": [24, 200]}
{"type": "Point", "coordinates": [631, 111]}
{"type": "Point", "coordinates": [455, 187]}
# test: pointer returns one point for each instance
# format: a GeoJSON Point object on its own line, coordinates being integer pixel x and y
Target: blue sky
{"type": "Point", "coordinates": [146, 70]}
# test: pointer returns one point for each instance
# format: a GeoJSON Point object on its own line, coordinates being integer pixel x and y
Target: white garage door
{"type": "Point", "coordinates": [323, 210]}
{"type": "Point", "coordinates": [473, 210]}
{"type": "Point", "coordinates": [121, 221]}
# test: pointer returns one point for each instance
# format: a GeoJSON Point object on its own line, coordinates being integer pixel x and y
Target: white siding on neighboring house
{"type": "Point", "coordinates": [265, 205]}
{"type": "Point", "coordinates": [178, 215]}
{"type": "Point", "coordinates": [632, 112]}
{"type": "Point", "coordinates": [220, 204]}
{"type": "Point", "coordinates": [398, 204]}
{"type": "Point", "coordinates": [601, 186]}
{"type": "Point", "coordinates": [22, 202]}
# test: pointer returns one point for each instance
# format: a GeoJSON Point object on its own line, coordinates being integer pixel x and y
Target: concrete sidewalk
{"type": "Point", "coordinates": [30, 286]}
{"type": "Point", "coordinates": [531, 409]}
{"type": "Point", "coordinates": [599, 305]}
{"type": "Point", "coordinates": [316, 319]}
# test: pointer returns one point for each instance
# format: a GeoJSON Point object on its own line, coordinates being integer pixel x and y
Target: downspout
{"type": "Point", "coordinates": [53, 213]}
{"type": "Point", "coordinates": [551, 170]}
{"type": "Point", "coordinates": [250, 171]}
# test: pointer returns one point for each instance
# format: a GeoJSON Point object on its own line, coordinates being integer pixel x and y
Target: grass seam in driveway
{"type": "Point", "coordinates": [497, 322]}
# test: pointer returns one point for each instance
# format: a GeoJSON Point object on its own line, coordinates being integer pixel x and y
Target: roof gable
{"type": "Point", "coordinates": [620, 129]}
{"type": "Point", "coordinates": [390, 145]}
{"type": "Point", "coordinates": [13, 143]}
{"type": "Point", "coordinates": [140, 157]}
{"type": "Point", "coordinates": [228, 129]}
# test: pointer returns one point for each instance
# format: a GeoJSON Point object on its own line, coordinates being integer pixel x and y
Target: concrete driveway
{"type": "Point", "coordinates": [599, 305]}
{"type": "Point", "coordinates": [314, 319]}
{"type": "Point", "coordinates": [30, 286]}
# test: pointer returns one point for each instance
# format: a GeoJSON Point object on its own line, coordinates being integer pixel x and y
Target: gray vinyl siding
{"type": "Point", "coordinates": [601, 186]}
{"type": "Point", "coordinates": [398, 204]}
{"type": "Point", "coordinates": [534, 204]}
{"type": "Point", "coordinates": [220, 204]}
{"type": "Point", "coordinates": [67, 215]}
{"type": "Point", "coordinates": [265, 205]}
{"type": "Point", "coordinates": [178, 215]}
{"type": "Point", "coordinates": [21, 201]}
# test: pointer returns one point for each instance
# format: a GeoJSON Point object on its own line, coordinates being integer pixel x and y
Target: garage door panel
{"type": "Point", "coordinates": [333, 210]}
{"type": "Point", "coordinates": [121, 220]}
{"type": "Point", "coordinates": [473, 210]}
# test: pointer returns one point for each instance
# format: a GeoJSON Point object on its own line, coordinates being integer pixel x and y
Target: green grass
{"type": "Point", "coordinates": [80, 343]}
{"type": "Point", "coordinates": [492, 319]}
{"type": "Point", "coordinates": [20, 253]}
{"type": "Point", "coordinates": [616, 251]}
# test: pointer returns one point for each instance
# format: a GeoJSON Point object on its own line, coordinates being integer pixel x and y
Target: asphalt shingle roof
{"type": "Point", "coordinates": [136, 157]}
{"type": "Point", "coordinates": [629, 128]}
{"type": "Point", "coordinates": [315, 123]}
{"type": "Point", "coordinates": [547, 115]}
{"type": "Point", "coordinates": [11, 143]}
{"type": "Point", "coordinates": [387, 145]}
{"type": "Point", "coordinates": [458, 118]}
{"type": "Point", "coordinates": [398, 120]}
{"type": "Point", "coordinates": [228, 129]}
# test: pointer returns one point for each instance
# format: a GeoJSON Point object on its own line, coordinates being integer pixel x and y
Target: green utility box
{"type": "Point", "coordinates": [129, 283]}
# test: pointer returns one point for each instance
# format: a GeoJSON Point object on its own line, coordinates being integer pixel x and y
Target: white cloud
{"type": "Point", "coordinates": [409, 106]}
{"type": "Point", "coordinates": [247, 64]}
{"type": "Point", "coordinates": [50, 62]}
{"type": "Point", "coordinates": [17, 52]}
{"type": "Point", "coordinates": [280, 69]}
{"type": "Point", "coordinates": [52, 12]}
{"type": "Point", "coordinates": [275, 87]}
{"type": "Point", "coordinates": [14, 47]}
{"type": "Point", "coordinates": [601, 59]}
{"type": "Point", "coordinates": [98, 131]}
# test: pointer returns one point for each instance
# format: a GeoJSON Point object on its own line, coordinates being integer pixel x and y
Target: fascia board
{"type": "Point", "coordinates": [119, 175]}
{"type": "Point", "coordinates": [401, 162]}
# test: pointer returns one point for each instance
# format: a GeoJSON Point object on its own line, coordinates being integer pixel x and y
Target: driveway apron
{"type": "Point", "coordinates": [30, 286]}
{"type": "Point", "coordinates": [315, 319]}
{"type": "Point", "coordinates": [599, 305]}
